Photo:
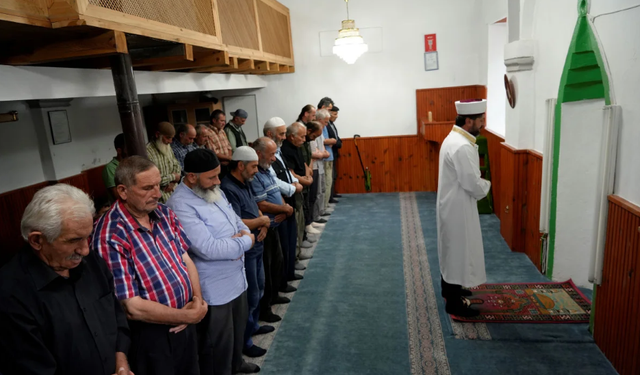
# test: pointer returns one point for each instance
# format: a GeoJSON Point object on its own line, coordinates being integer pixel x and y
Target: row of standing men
{"type": "Point", "coordinates": [177, 289]}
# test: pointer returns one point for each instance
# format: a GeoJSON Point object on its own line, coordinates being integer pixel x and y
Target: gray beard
{"type": "Point", "coordinates": [264, 164]}
{"type": "Point", "coordinates": [209, 195]}
{"type": "Point", "coordinates": [164, 148]}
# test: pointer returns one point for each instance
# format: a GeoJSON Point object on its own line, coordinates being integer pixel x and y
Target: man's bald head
{"type": "Point", "coordinates": [186, 134]}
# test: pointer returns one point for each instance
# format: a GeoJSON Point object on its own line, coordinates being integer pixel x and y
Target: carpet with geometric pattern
{"type": "Point", "coordinates": [529, 303]}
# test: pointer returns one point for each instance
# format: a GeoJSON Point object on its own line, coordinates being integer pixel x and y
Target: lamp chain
{"type": "Point", "coordinates": [347, 1]}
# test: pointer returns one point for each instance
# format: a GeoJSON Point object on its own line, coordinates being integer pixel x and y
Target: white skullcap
{"type": "Point", "coordinates": [244, 153]}
{"type": "Point", "coordinates": [274, 122]}
{"type": "Point", "coordinates": [471, 107]}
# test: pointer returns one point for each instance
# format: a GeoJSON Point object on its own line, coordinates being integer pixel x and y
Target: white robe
{"type": "Point", "coordinates": [459, 188]}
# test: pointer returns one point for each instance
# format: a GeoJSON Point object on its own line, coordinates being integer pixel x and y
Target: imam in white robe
{"type": "Point", "coordinates": [460, 187]}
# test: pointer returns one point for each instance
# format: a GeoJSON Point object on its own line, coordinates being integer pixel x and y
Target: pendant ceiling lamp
{"type": "Point", "coordinates": [349, 45]}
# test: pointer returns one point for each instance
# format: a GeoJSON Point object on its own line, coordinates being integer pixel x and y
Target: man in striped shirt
{"type": "Point", "coordinates": [145, 246]}
{"type": "Point", "coordinates": [160, 153]}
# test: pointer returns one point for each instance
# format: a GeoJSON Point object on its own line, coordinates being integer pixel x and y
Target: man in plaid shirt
{"type": "Point", "coordinates": [183, 142]}
{"type": "Point", "coordinates": [161, 154]}
{"type": "Point", "coordinates": [221, 145]}
{"type": "Point", "coordinates": [145, 246]}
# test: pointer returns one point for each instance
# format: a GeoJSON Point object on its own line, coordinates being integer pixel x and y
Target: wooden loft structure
{"type": "Point", "coordinates": [204, 36]}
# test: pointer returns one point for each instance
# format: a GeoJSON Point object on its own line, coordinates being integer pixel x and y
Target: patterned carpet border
{"type": "Point", "coordinates": [470, 331]}
{"type": "Point", "coordinates": [427, 351]}
{"type": "Point", "coordinates": [530, 303]}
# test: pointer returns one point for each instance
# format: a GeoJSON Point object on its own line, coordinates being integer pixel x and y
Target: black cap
{"type": "Point", "coordinates": [334, 109]}
{"type": "Point", "coordinates": [200, 160]}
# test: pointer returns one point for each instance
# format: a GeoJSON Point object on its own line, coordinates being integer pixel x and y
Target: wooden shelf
{"type": "Point", "coordinates": [435, 131]}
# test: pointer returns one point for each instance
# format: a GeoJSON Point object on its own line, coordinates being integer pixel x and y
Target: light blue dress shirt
{"type": "Point", "coordinates": [325, 134]}
{"type": "Point", "coordinates": [218, 257]}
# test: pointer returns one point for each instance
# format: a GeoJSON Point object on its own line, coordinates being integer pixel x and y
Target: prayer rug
{"type": "Point", "coordinates": [529, 303]}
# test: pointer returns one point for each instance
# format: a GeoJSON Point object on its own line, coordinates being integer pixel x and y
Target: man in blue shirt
{"type": "Point", "coordinates": [267, 195]}
{"type": "Point", "coordinates": [219, 240]}
{"type": "Point", "coordinates": [243, 167]}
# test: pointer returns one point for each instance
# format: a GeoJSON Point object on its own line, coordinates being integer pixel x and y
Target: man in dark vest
{"type": "Point", "coordinates": [333, 133]}
{"type": "Point", "coordinates": [234, 129]}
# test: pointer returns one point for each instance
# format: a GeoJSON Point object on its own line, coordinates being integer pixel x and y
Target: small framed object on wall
{"type": "Point", "coordinates": [59, 123]}
{"type": "Point", "coordinates": [431, 61]}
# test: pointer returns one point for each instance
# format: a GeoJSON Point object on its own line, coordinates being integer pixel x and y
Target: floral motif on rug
{"type": "Point", "coordinates": [529, 303]}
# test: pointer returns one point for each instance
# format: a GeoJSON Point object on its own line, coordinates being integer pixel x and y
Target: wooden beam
{"type": "Point", "coordinates": [262, 66]}
{"type": "Point", "coordinates": [220, 58]}
{"type": "Point", "coordinates": [27, 19]}
{"type": "Point", "coordinates": [274, 67]}
{"type": "Point", "coordinates": [216, 20]}
{"type": "Point", "coordinates": [182, 54]}
{"type": "Point", "coordinates": [233, 65]}
{"type": "Point", "coordinates": [243, 65]}
{"type": "Point", "coordinates": [255, 9]}
{"type": "Point", "coordinates": [109, 43]}
{"type": "Point", "coordinates": [281, 69]}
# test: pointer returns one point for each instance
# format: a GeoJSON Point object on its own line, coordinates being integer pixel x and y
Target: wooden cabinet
{"type": "Point", "coordinates": [191, 113]}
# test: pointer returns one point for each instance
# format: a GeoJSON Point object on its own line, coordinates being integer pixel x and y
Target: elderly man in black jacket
{"type": "Point", "coordinates": [58, 312]}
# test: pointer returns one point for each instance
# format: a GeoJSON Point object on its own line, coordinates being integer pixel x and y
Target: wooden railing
{"type": "Point", "coordinates": [254, 36]}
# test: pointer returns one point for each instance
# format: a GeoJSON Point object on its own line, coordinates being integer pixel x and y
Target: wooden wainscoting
{"type": "Point", "coordinates": [513, 172]}
{"type": "Point", "coordinates": [13, 203]}
{"type": "Point", "coordinates": [616, 327]}
{"type": "Point", "coordinates": [493, 142]}
{"type": "Point", "coordinates": [531, 209]}
{"type": "Point", "coordinates": [397, 163]}
{"type": "Point", "coordinates": [95, 185]}
{"type": "Point", "coordinates": [80, 181]}
{"type": "Point", "coordinates": [441, 101]}
{"type": "Point", "coordinates": [518, 204]}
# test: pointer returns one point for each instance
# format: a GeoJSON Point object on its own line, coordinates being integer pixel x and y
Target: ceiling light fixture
{"type": "Point", "coordinates": [349, 45]}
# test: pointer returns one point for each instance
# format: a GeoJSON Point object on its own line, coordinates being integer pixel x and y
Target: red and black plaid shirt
{"type": "Point", "coordinates": [145, 263]}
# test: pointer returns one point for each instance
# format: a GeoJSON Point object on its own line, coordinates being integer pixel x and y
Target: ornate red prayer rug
{"type": "Point", "coordinates": [529, 303]}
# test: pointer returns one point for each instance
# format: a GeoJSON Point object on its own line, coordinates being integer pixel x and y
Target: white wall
{"type": "Point", "coordinates": [26, 83]}
{"type": "Point", "coordinates": [377, 95]}
{"type": "Point", "coordinates": [553, 25]}
{"type": "Point", "coordinates": [93, 122]}
{"type": "Point", "coordinates": [496, 96]}
{"type": "Point", "coordinates": [19, 155]}
{"type": "Point", "coordinates": [619, 37]}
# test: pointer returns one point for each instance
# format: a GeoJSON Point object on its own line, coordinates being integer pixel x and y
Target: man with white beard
{"type": "Point", "coordinates": [219, 240]}
{"type": "Point", "coordinates": [161, 154]}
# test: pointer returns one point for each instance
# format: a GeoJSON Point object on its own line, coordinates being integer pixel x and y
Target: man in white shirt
{"type": "Point", "coordinates": [460, 187]}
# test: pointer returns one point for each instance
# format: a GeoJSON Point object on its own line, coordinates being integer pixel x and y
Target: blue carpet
{"type": "Point", "coordinates": [349, 314]}
{"type": "Point", "coordinates": [521, 349]}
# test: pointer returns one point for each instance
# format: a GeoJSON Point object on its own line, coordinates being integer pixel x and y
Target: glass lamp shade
{"type": "Point", "coordinates": [349, 45]}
